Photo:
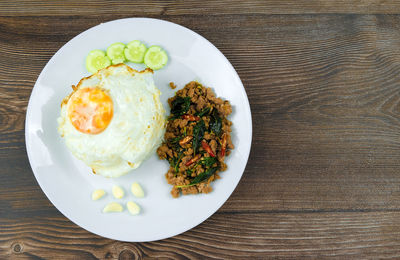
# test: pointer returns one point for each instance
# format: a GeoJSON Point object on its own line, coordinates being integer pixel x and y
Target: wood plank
{"type": "Point", "coordinates": [192, 7]}
{"type": "Point", "coordinates": [259, 190]}
{"type": "Point", "coordinates": [338, 234]}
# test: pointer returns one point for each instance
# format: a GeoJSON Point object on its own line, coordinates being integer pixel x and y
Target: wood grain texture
{"type": "Point", "coordinates": [226, 236]}
{"type": "Point", "coordinates": [323, 177]}
{"type": "Point", "coordinates": [192, 7]}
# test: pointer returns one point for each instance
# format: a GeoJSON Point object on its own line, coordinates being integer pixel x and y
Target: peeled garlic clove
{"type": "Point", "coordinates": [133, 208]}
{"type": "Point", "coordinates": [137, 190]}
{"type": "Point", "coordinates": [118, 192]}
{"type": "Point", "coordinates": [113, 207]}
{"type": "Point", "coordinates": [97, 194]}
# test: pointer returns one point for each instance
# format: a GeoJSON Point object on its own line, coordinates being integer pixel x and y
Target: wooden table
{"type": "Point", "coordinates": [323, 177]}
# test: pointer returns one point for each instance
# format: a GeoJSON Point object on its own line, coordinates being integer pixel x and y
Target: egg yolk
{"type": "Point", "coordinates": [90, 110]}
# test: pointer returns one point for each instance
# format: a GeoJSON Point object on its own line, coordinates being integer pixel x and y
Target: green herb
{"type": "Point", "coordinates": [174, 162]}
{"type": "Point", "coordinates": [200, 178]}
{"type": "Point", "coordinates": [204, 176]}
{"type": "Point", "coordinates": [203, 112]}
{"type": "Point", "coordinates": [174, 140]}
{"type": "Point", "coordinates": [198, 134]}
{"type": "Point", "coordinates": [208, 161]}
{"type": "Point", "coordinates": [172, 117]}
{"type": "Point", "coordinates": [184, 186]}
{"type": "Point", "coordinates": [180, 105]}
{"type": "Point", "coordinates": [215, 123]}
{"type": "Point", "coordinates": [190, 171]}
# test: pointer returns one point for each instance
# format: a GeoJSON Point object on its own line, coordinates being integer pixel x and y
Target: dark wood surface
{"type": "Point", "coordinates": [323, 177]}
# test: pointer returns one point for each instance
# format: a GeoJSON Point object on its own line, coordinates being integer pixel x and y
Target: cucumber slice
{"type": "Point", "coordinates": [97, 60]}
{"type": "Point", "coordinates": [117, 61]}
{"type": "Point", "coordinates": [155, 58]}
{"type": "Point", "coordinates": [116, 52]}
{"type": "Point", "coordinates": [135, 51]}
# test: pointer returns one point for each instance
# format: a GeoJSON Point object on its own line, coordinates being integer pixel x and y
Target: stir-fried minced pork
{"type": "Point", "coordinates": [197, 139]}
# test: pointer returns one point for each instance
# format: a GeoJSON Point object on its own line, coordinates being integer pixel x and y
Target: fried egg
{"type": "Point", "coordinates": [113, 120]}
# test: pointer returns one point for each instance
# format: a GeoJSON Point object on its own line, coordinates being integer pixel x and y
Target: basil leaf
{"type": "Point", "coordinates": [200, 178]}
{"type": "Point", "coordinates": [215, 123]}
{"type": "Point", "coordinates": [198, 134]}
{"type": "Point", "coordinates": [174, 140]}
{"type": "Point", "coordinates": [180, 106]}
{"type": "Point", "coordinates": [203, 176]}
{"type": "Point", "coordinates": [174, 162]}
{"type": "Point", "coordinates": [189, 172]}
{"type": "Point", "coordinates": [203, 112]}
{"type": "Point", "coordinates": [208, 161]}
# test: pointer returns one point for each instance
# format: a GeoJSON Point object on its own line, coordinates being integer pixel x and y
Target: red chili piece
{"type": "Point", "coordinates": [206, 147]}
{"type": "Point", "coordinates": [223, 145]}
{"type": "Point", "coordinates": [190, 117]}
{"type": "Point", "coordinates": [193, 160]}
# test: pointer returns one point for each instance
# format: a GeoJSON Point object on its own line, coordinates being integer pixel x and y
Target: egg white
{"type": "Point", "coordinates": [135, 130]}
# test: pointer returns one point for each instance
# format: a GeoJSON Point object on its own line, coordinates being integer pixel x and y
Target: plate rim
{"type": "Point", "coordinates": [57, 53]}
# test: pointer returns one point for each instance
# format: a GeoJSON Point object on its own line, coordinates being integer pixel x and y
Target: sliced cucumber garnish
{"type": "Point", "coordinates": [155, 58]}
{"type": "Point", "coordinates": [116, 53]}
{"type": "Point", "coordinates": [134, 51]}
{"type": "Point", "coordinates": [97, 60]}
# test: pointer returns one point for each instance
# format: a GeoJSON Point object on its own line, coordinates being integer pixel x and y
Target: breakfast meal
{"type": "Point", "coordinates": [197, 139]}
{"type": "Point", "coordinates": [153, 57]}
{"type": "Point", "coordinates": [113, 120]}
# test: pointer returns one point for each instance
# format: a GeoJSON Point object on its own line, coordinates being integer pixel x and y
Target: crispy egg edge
{"type": "Point", "coordinates": [130, 70]}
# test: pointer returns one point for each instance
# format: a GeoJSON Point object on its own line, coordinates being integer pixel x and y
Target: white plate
{"type": "Point", "coordinates": [68, 183]}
